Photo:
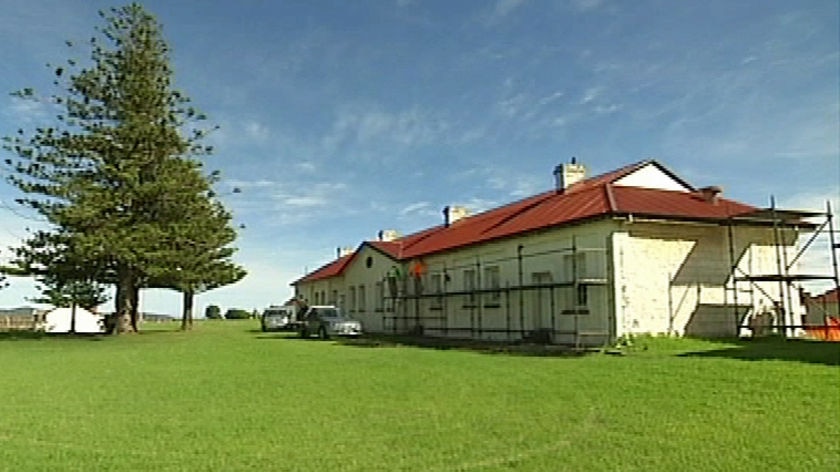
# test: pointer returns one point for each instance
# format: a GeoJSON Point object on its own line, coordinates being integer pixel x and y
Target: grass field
{"type": "Point", "coordinates": [227, 397]}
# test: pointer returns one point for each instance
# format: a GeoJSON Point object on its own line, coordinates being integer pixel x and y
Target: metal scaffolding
{"type": "Point", "coordinates": [466, 313]}
{"type": "Point", "coordinates": [749, 284]}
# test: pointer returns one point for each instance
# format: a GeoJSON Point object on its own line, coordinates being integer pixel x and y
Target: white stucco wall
{"type": "Point", "coordinates": [365, 270]}
{"type": "Point", "coordinates": [674, 278]}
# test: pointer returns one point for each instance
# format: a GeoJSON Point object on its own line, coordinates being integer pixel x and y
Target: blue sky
{"type": "Point", "coordinates": [339, 118]}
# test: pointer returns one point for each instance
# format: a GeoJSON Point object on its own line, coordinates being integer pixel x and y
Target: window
{"type": "Point", "coordinates": [352, 301]}
{"type": "Point", "coordinates": [582, 297]}
{"type": "Point", "coordinates": [491, 282]}
{"type": "Point", "coordinates": [418, 285]}
{"type": "Point", "coordinates": [379, 299]}
{"type": "Point", "coordinates": [392, 286]}
{"type": "Point", "coordinates": [436, 281]}
{"type": "Point", "coordinates": [362, 304]}
{"type": "Point", "coordinates": [334, 297]}
{"type": "Point", "coordinates": [469, 287]}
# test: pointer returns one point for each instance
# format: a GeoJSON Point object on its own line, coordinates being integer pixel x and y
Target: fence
{"type": "Point", "coordinates": [19, 322]}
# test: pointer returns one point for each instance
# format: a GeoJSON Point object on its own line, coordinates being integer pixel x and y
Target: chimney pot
{"type": "Point", "coordinates": [452, 213]}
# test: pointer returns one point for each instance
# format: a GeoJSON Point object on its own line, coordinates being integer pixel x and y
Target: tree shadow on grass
{"type": "Point", "coordinates": [29, 335]}
{"type": "Point", "coordinates": [482, 347]}
{"type": "Point", "coordinates": [795, 350]}
{"type": "Point", "coordinates": [26, 335]}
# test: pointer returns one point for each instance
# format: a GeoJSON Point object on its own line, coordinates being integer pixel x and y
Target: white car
{"type": "Point", "coordinates": [327, 321]}
{"type": "Point", "coordinates": [276, 318]}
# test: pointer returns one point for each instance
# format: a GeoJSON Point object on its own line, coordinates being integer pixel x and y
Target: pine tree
{"type": "Point", "coordinates": [119, 168]}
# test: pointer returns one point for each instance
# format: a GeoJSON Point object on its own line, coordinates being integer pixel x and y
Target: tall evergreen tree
{"type": "Point", "coordinates": [118, 169]}
{"type": "Point", "coordinates": [195, 252]}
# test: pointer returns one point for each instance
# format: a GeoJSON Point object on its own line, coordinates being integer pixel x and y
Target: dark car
{"type": "Point", "coordinates": [326, 321]}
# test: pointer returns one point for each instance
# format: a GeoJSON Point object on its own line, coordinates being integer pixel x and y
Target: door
{"type": "Point", "coordinates": [541, 301]}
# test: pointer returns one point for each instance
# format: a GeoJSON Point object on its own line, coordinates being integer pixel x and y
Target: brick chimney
{"type": "Point", "coordinates": [568, 174]}
{"type": "Point", "coordinates": [388, 235]}
{"type": "Point", "coordinates": [711, 194]}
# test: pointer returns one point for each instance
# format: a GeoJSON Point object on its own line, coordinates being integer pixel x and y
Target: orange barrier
{"type": "Point", "coordinates": [828, 332]}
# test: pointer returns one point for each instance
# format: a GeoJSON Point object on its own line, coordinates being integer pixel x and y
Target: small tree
{"type": "Point", "coordinates": [213, 312]}
{"type": "Point", "coordinates": [84, 293]}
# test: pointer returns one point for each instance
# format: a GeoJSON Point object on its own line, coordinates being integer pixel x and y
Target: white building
{"type": "Point", "coordinates": [637, 250]}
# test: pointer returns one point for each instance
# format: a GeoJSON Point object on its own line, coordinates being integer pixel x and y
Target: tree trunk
{"type": "Point", "coordinates": [123, 300]}
{"type": "Point", "coordinates": [187, 314]}
{"type": "Point", "coordinates": [135, 306]}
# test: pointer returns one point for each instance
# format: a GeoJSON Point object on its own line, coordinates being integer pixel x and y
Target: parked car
{"type": "Point", "coordinates": [327, 321]}
{"type": "Point", "coordinates": [277, 318]}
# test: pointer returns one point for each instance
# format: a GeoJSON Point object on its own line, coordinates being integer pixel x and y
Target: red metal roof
{"type": "Point", "coordinates": [678, 205]}
{"type": "Point", "coordinates": [595, 197]}
{"type": "Point", "coordinates": [328, 270]}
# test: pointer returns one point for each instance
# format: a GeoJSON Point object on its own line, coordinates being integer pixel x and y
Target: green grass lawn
{"type": "Point", "coordinates": [227, 397]}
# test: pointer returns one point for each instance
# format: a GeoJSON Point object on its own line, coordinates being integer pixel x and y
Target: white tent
{"type": "Point", "coordinates": [58, 321]}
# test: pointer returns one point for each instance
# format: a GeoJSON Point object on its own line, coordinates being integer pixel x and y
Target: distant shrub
{"type": "Point", "coordinates": [237, 314]}
{"type": "Point", "coordinates": [213, 312]}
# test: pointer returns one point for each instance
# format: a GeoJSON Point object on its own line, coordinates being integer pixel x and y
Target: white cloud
{"type": "Point", "coordinates": [367, 126]}
{"type": "Point", "coordinates": [472, 135]}
{"type": "Point", "coordinates": [590, 94]}
{"type": "Point", "coordinates": [586, 5]}
{"type": "Point", "coordinates": [249, 184]}
{"type": "Point", "coordinates": [511, 107]}
{"type": "Point", "coordinates": [317, 195]}
{"type": "Point", "coordinates": [504, 7]}
{"type": "Point", "coordinates": [306, 166]}
{"type": "Point", "coordinates": [27, 112]}
{"type": "Point", "coordinates": [500, 11]}
{"type": "Point", "coordinates": [306, 201]}
{"type": "Point", "coordinates": [812, 200]}
{"type": "Point", "coordinates": [607, 109]}
{"type": "Point", "coordinates": [550, 98]}
{"type": "Point", "coordinates": [256, 131]}
{"type": "Point", "coordinates": [415, 208]}
{"type": "Point", "coordinates": [477, 205]}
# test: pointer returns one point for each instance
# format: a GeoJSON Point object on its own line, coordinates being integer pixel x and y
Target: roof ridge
{"type": "Point", "coordinates": [608, 189]}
